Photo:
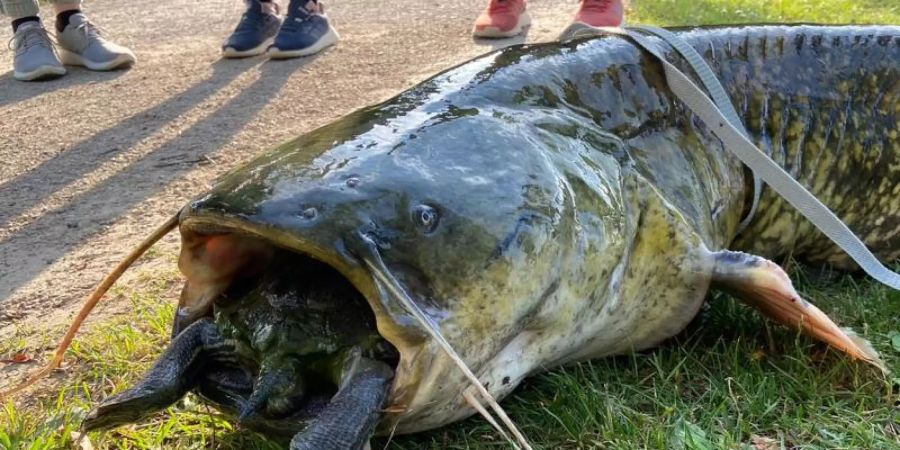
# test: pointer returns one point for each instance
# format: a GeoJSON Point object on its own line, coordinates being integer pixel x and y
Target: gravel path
{"type": "Point", "coordinates": [92, 162]}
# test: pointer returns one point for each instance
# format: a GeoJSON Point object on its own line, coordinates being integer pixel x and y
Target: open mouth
{"type": "Point", "coordinates": [298, 328]}
{"type": "Point", "coordinates": [286, 340]}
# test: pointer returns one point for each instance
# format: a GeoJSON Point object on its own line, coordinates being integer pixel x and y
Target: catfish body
{"type": "Point", "coordinates": [555, 202]}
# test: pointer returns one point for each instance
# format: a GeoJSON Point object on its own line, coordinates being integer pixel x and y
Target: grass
{"type": "Point", "coordinates": [696, 12]}
{"type": "Point", "coordinates": [730, 381]}
{"type": "Point", "coordinates": [727, 380]}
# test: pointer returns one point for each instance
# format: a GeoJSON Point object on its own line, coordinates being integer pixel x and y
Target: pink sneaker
{"type": "Point", "coordinates": [502, 19]}
{"type": "Point", "coordinates": [601, 13]}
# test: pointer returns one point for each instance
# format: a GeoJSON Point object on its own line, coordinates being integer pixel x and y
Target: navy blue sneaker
{"type": "Point", "coordinates": [305, 31]}
{"type": "Point", "coordinates": [253, 33]}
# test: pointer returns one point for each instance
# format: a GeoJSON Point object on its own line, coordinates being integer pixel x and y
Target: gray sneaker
{"type": "Point", "coordinates": [82, 45]}
{"type": "Point", "coordinates": [35, 58]}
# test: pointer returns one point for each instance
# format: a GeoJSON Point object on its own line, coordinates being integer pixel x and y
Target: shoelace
{"type": "Point", "coordinates": [90, 30]}
{"type": "Point", "coordinates": [31, 37]}
{"type": "Point", "coordinates": [297, 17]}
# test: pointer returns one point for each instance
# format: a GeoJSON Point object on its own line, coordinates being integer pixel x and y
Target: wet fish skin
{"type": "Point", "coordinates": [575, 203]}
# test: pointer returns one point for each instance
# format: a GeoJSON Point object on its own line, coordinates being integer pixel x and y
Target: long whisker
{"type": "Point", "coordinates": [373, 259]}
{"type": "Point", "coordinates": [92, 301]}
{"type": "Point", "coordinates": [473, 402]}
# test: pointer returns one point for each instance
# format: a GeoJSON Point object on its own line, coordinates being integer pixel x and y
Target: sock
{"type": "Point", "coordinates": [20, 21]}
{"type": "Point", "coordinates": [269, 6]}
{"type": "Point", "coordinates": [62, 19]}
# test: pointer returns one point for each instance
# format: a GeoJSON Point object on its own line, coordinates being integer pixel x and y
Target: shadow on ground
{"type": "Point", "coordinates": [15, 91]}
{"type": "Point", "coordinates": [113, 197]}
{"type": "Point", "coordinates": [70, 166]}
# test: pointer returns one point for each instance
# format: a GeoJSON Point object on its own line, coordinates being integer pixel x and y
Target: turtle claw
{"type": "Point", "coordinates": [126, 407]}
{"type": "Point", "coordinates": [283, 387]}
{"type": "Point", "coordinates": [165, 383]}
{"type": "Point", "coordinates": [350, 418]}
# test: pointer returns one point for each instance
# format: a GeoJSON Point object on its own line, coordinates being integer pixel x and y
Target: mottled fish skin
{"type": "Point", "coordinates": [826, 107]}
{"type": "Point", "coordinates": [578, 201]}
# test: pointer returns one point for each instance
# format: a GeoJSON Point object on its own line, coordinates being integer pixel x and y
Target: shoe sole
{"type": "Point", "coordinates": [41, 73]}
{"type": "Point", "coordinates": [496, 33]}
{"type": "Point", "coordinates": [330, 38]}
{"type": "Point", "coordinates": [74, 59]}
{"type": "Point", "coordinates": [231, 53]}
{"type": "Point", "coordinates": [575, 29]}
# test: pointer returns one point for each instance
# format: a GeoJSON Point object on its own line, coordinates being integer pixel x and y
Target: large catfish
{"type": "Point", "coordinates": [541, 204]}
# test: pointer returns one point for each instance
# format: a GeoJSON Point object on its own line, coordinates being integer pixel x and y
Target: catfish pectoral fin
{"type": "Point", "coordinates": [170, 378]}
{"type": "Point", "coordinates": [764, 285]}
{"type": "Point", "coordinates": [349, 419]}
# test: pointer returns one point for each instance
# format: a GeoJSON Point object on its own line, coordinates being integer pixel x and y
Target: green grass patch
{"type": "Point", "coordinates": [696, 12]}
{"type": "Point", "coordinates": [732, 380]}
{"type": "Point", "coordinates": [106, 360]}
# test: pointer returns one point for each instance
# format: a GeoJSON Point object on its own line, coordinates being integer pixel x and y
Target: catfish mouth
{"type": "Point", "coordinates": [295, 312]}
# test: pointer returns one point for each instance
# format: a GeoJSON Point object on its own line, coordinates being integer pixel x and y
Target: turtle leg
{"type": "Point", "coordinates": [225, 386]}
{"type": "Point", "coordinates": [765, 286]}
{"type": "Point", "coordinates": [349, 420]}
{"type": "Point", "coordinates": [170, 378]}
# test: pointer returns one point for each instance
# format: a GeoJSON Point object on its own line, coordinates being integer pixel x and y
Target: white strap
{"type": "Point", "coordinates": [762, 166]}
{"type": "Point", "coordinates": [717, 92]}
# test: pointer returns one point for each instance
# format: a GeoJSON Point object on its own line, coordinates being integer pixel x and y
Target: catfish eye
{"type": "Point", "coordinates": [425, 217]}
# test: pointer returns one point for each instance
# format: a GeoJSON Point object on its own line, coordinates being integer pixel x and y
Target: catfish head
{"type": "Point", "coordinates": [450, 205]}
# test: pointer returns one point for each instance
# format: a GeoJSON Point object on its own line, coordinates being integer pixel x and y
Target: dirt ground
{"type": "Point", "coordinates": [92, 162]}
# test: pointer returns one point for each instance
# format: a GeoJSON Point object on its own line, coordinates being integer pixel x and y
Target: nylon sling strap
{"type": "Point", "coordinates": [734, 138]}
{"type": "Point", "coordinates": [717, 93]}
